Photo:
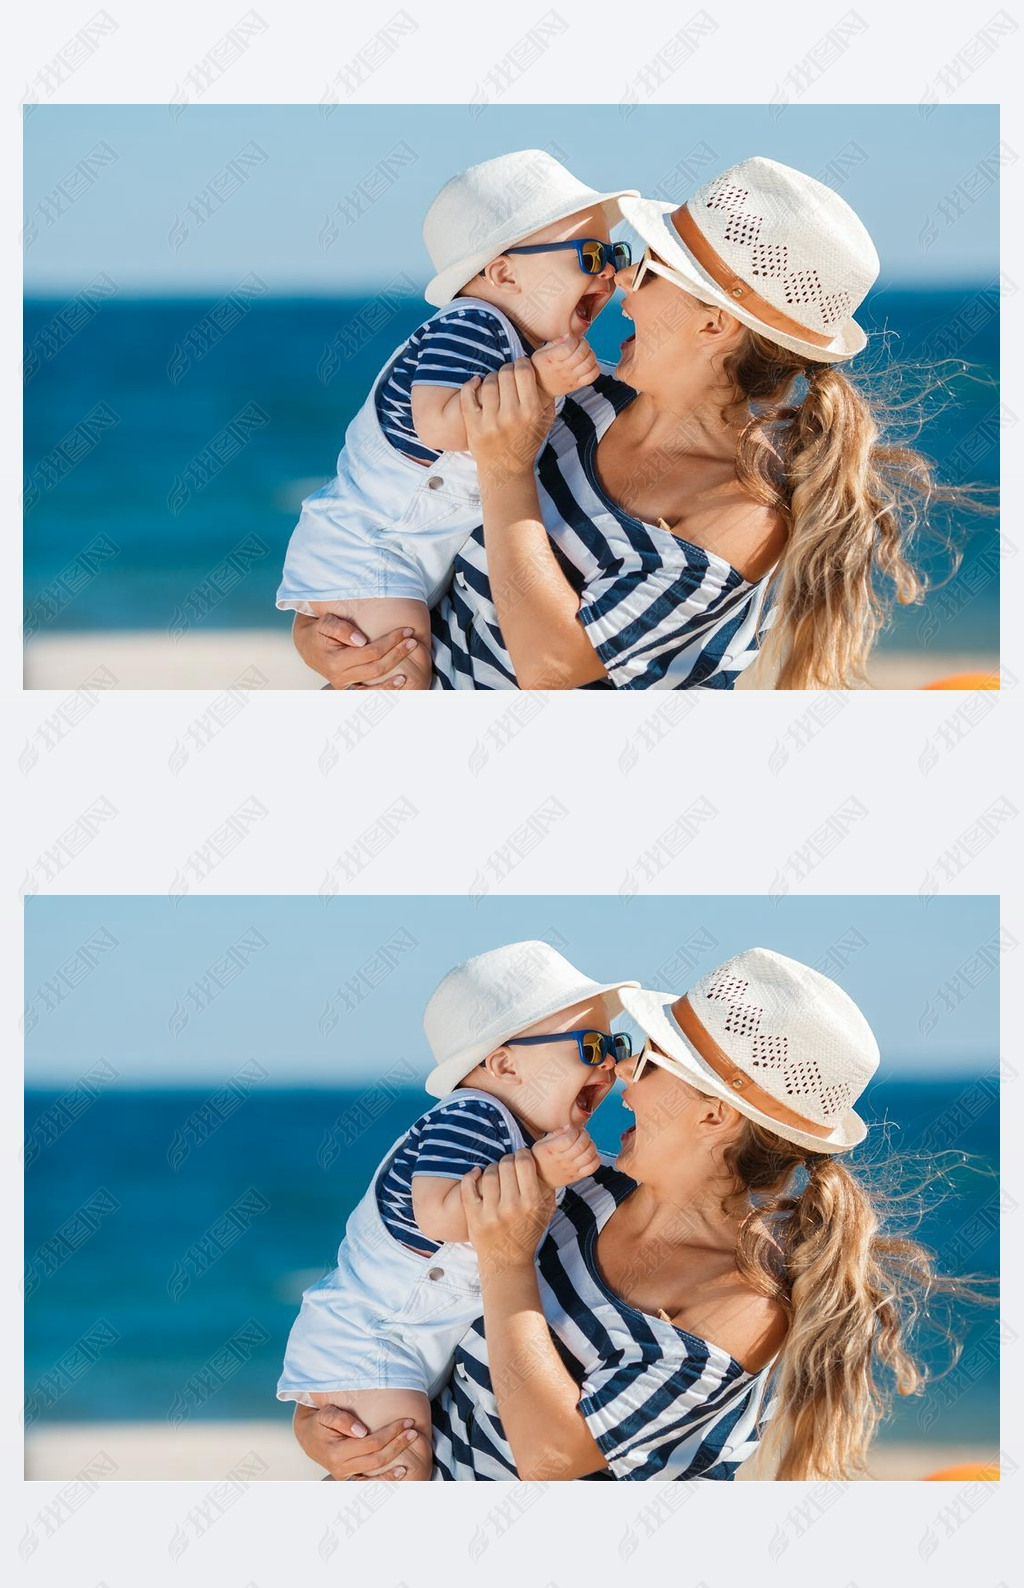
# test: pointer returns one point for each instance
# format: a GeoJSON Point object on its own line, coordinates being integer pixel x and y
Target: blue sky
{"type": "Point", "coordinates": [184, 994]}
{"type": "Point", "coordinates": [895, 165]}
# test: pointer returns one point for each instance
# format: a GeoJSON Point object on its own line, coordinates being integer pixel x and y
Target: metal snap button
{"type": "Point", "coordinates": [435, 1273]}
{"type": "Point", "coordinates": [434, 483]}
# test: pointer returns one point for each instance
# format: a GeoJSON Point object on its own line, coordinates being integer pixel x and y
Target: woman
{"type": "Point", "coordinates": [738, 461]}
{"type": "Point", "coordinates": [726, 1269]}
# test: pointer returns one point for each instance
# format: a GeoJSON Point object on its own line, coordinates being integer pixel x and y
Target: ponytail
{"type": "Point", "coordinates": [853, 505]}
{"type": "Point", "coordinates": [853, 1294]}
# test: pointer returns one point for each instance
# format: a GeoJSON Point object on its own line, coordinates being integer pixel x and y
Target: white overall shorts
{"type": "Point", "coordinates": [386, 1317]}
{"type": "Point", "coordinates": [385, 525]}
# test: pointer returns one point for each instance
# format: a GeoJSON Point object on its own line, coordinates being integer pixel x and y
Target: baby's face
{"type": "Point", "coordinates": [554, 1088]}
{"type": "Point", "coordinates": [548, 294]}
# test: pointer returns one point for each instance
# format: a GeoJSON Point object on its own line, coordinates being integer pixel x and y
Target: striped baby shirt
{"type": "Point", "coordinates": [465, 1133]}
{"type": "Point", "coordinates": [443, 352]}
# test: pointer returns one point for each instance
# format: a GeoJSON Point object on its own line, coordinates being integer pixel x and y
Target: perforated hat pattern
{"type": "Point", "coordinates": [802, 1064]}
{"type": "Point", "coordinates": [781, 244]}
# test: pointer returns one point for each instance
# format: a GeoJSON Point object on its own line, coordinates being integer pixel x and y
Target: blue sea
{"type": "Point", "coordinates": [169, 1235]}
{"type": "Point", "coordinates": [168, 444]}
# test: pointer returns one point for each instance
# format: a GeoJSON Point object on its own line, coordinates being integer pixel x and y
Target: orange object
{"type": "Point", "coordinates": [968, 1472]}
{"type": "Point", "coordinates": [966, 681]}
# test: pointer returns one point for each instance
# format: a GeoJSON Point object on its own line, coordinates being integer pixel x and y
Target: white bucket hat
{"type": "Point", "coordinates": [780, 1042]}
{"type": "Point", "coordinates": [782, 252]}
{"type": "Point", "coordinates": [493, 996]}
{"type": "Point", "coordinates": [490, 207]}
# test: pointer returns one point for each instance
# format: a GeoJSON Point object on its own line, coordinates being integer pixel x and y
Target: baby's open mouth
{"type": "Point", "coordinates": [589, 1095]}
{"type": "Point", "coordinates": [590, 305]}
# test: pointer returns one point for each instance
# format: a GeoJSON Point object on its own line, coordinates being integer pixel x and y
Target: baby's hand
{"type": "Point", "coordinates": [564, 1156]}
{"type": "Point", "coordinates": [565, 365]}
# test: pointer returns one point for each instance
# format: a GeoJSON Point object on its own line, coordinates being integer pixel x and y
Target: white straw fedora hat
{"type": "Point", "coordinates": [780, 1042]}
{"type": "Point", "coordinates": [493, 996]}
{"type": "Point", "coordinates": [489, 207]}
{"type": "Point", "coordinates": [782, 252]}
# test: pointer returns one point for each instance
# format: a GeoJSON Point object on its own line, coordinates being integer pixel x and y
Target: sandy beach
{"type": "Point", "coordinates": [266, 659]}
{"type": "Point", "coordinates": [266, 1450]}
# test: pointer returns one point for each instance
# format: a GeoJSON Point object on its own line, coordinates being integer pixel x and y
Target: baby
{"type": "Point", "coordinates": [524, 266]}
{"type": "Point", "coordinates": [508, 1029]}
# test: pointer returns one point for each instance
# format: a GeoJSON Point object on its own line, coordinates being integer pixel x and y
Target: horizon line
{"type": "Point", "coordinates": [299, 292]}
{"type": "Point", "coordinates": [951, 1070]}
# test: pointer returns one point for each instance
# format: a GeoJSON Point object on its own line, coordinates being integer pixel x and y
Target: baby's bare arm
{"type": "Point", "coordinates": [437, 418]}
{"type": "Point", "coordinates": [437, 1208]}
{"type": "Point", "coordinates": [562, 1157]}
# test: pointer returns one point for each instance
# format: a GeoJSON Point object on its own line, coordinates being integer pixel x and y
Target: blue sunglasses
{"type": "Point", "coordinates": [591, 253]}
{"type": "Point", "coordinates": [593, 1047]}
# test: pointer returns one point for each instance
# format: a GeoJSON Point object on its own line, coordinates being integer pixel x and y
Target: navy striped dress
{"type": "Point", "coordinates": [660, 612]}
{"type": "Point", "coordinates": [659, 1402]}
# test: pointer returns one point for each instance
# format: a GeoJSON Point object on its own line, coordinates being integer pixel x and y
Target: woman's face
{"type": "Point", "coordinates": [666, 320]}
{"type": "Point", "coordinates": [665, 1110]}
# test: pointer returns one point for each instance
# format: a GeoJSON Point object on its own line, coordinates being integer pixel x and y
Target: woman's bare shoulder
{"type": "Point", "coordinates": [750, 1326]}
{"type": "Point", "coordinates": [748, 534]}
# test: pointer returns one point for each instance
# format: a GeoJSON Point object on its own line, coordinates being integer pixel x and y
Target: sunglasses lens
{"type": "Point", "coordinates": [623, 1046]}
{"type": "Point", "coordinates": [622, 255]}
{"type": "Point", "coordinates": [593, 1047]}
{"type": "Point", "coordinates": [593, 258]}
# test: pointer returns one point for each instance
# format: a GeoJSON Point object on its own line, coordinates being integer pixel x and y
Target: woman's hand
{"type": "Point", "coordinates": [508, 1208]}
{"type": "Point", "coordinates": [334, 648]}
{"type": "Point", "coordinates": [507, 416]}
{"type": "Point", "coordinates": [328, 1436]}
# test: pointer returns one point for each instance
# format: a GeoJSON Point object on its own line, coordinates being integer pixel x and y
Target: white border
{"type": "Point", "coordinates": [720, 751]}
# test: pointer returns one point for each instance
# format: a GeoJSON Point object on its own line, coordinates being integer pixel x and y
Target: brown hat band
{"type": "Point", "coordinates": [696, 1032]}
{"type": "Point", "coordinates": [734, 286]}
